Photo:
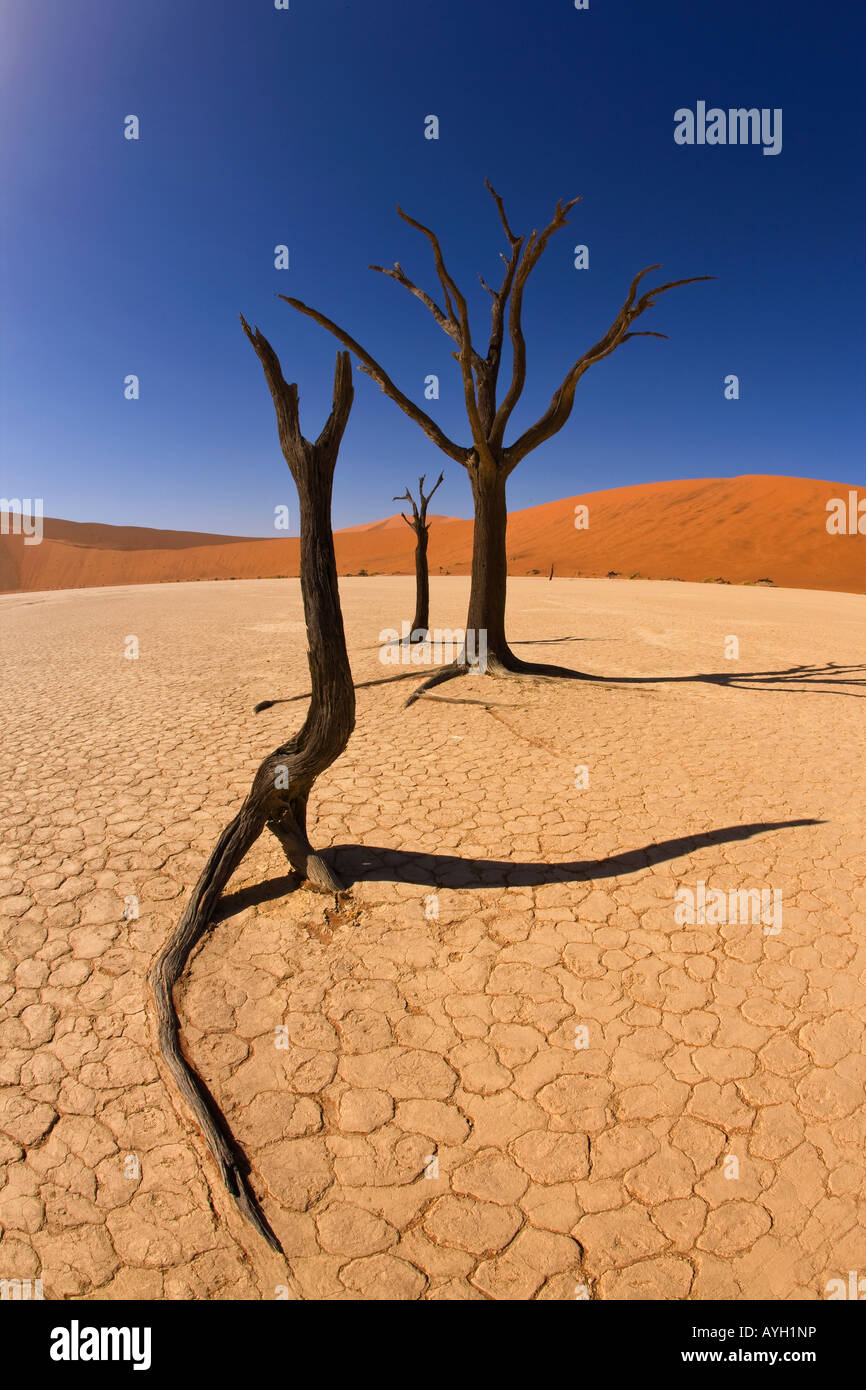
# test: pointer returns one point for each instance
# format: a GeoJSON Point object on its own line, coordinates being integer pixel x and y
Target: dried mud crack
{"type": "Point", "coordinates": [492, 908]}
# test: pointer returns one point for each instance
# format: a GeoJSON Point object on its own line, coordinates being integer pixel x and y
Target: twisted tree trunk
{"type": "Point", "coordinates": [278, 796]}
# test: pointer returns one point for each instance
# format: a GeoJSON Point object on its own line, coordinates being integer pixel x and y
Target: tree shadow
{"type": "Point", "coordinates": [816, 678]}
{"type": "Point", "coordinates": [400, 642]}
{"type": "Point", "coordinates": [230, 904]}
{"type": "Point", "coordinates": [375, 864]}
{"type": "Point", "coordinates": [831, 673]}
{"type": "Point", "coordinates": [554, 641]}
{"type": "Point", "coordinates": [485, 704]}
{"type": "Point", "coordinates": [805, 679]}
{"type": "Point", "coordinates": [811, 679]}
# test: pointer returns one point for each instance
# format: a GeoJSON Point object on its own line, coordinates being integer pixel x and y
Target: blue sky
{"type": "Point", "coordinates": [306, 127]}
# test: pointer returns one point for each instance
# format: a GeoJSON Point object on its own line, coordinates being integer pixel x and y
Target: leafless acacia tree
{"type": "Point", "coordinates": [278, 797]}
{"type": "Point", "coordinates": [488, 459]}
{"type": "Point", "coordinates": [421, 526]}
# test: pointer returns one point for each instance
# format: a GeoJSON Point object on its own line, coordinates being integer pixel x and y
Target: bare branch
{"type": "Point", "coordinates": [513, 240]}
{"type": "Point", "coordinates": [285, 395]}
{"type": "Point", "coordinates": [647, 300]}
{"type": "Point", "coordinates": [535, 248]}
{"type": "Point", "coordinates": [562, 401]}
{"type": "Point", "coordinates": [469, 359]}
{"type": "Point", "coordinates": [419, 514]}
{"type": "Point", "coordinates": [332, 433]}
{"type": "Point", "coordinates": [448, 325]}
{"type": "Point", "coordinates": [372, 368]}
{"type": "Point", "coordinates": [487, 384]}
{"type": "Point", "coordinates": [448, 286]}
{"type": "Point", "coordinates": [430, 494]}
{"type": "Point", "coordinates": [407, 497]}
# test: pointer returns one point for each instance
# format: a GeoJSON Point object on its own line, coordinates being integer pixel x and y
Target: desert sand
{"type": "Point", "coordinates": [753, 528]}
{"type": "Point", "coordinates": [438, 1126]}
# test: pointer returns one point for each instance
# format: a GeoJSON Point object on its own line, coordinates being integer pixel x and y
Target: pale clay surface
{"type": "Point", "coordinates": [559, 1169]}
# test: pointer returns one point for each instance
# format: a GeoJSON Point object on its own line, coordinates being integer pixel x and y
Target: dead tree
{"type": "Point", "coordinates": [278, 796]}
{"type": "Point", "coordinates": [488, 459]}
{"type": "Point", "coordinates": [421, 526]}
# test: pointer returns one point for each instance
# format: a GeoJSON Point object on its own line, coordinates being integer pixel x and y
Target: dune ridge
{"type": "Point", "coordinates": [744, 529]}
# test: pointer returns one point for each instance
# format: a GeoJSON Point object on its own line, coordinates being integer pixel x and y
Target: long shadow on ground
{"type": "Point", "coordinates": [374, 864]}
{"type": "Point", "coordinates": [829, 674]}
{"type": "Point", "coordinates": [799, 679]}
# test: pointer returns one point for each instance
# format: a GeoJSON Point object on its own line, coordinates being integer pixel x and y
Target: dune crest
{"type": "Point", "coordinates": [743, 530]}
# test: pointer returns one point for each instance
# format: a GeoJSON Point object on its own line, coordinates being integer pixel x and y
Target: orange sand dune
{"type": "Point", "coordinates": [740, 529]}
{"type": "Point", "coordinates": [95, 534]}
{"type": "Point", "coordinates": [390, 523]}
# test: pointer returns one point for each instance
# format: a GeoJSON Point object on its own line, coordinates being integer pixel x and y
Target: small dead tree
{"type": "Point", "coordinates": [278, 796]}
{"type": "Point", "coordinates": [421, 526]}
{"type": "Point", "coordinates": [488, 459]}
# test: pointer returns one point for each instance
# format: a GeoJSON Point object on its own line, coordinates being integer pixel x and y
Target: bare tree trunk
{"type": "Point", "coordinates": [489, 566]}
{"type": "Point", "coordinates": [420, 525]}
{"type": "Point", "coordinates": [488, 589]}
{"type": "Point", "coordinates": [282, 784]}
{"type": "Point", "coordinates": [421, 621]}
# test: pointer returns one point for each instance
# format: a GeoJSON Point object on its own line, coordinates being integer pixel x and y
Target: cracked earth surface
{"type": "Point", "coordinates": [419, 1120]}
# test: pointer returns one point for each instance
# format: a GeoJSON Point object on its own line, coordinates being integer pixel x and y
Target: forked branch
{"type": "Point", "coordinates": [488, 420]}
{"type": "Point", "coordinates": [560, 407]}
{"type": "Point", "coordinates": [419, 520]}
{"type": "Point", "coordinates": [371, 367]}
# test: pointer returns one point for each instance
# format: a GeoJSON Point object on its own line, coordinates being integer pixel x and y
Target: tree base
{"type": "Point", "coordinates": [503, 665]}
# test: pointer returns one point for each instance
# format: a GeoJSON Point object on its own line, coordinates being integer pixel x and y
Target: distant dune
{"type": "Point", "coordinates": [101, 537]}
{"type": "Point", "coordinates": [739, 529]}
{"type": "Point", "coordinates": [391, 523]}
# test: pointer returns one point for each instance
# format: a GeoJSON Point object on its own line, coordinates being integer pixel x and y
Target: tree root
{"type": "Point", "coordinates": [540, 671]}
{"type": "Point", "coordinates": [362, 685]}
{"type": "Point", "coordinates": [510, 667]}
{"type": "Point", "coordinates": [233, 844]}
{"type": "Point", "coordinates": [447, 673]}
{"type": "Point", "coordinates": [283, 812]}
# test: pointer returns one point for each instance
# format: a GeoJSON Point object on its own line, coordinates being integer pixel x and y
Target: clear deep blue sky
{"type": "Point", "coordinates": [306, 127]}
